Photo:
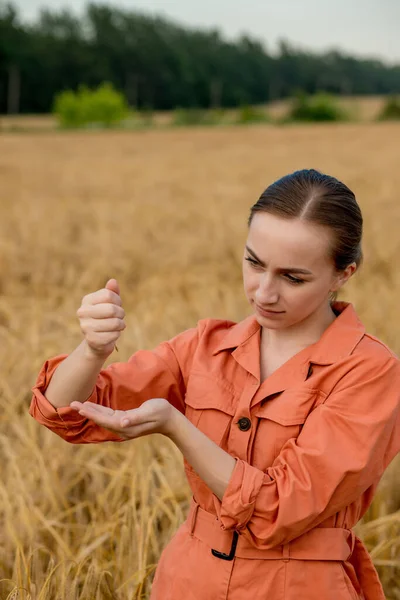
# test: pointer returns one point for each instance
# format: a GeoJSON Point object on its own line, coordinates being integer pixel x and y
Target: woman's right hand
{"type": "Point", "coordinates": [101, 319]}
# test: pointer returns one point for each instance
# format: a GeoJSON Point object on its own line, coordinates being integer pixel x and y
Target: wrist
{"type": "Point", "coordinates": [174, 424]}
{"type": "Point", "coordinates": [92, 355]}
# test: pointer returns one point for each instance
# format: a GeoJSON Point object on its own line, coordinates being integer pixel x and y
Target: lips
{"type": "Point", "coordinates": [277, 312]}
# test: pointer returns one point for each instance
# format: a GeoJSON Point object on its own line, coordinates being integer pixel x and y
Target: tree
{"type": "Point", "coordinates": [159, 64]}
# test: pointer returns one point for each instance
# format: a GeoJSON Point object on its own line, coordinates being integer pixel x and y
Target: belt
{"type": "Point", "coordinates": [321, 543]}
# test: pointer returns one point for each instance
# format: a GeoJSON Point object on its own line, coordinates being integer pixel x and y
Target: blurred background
{"type": "Point", "coordinates": [134, 138]}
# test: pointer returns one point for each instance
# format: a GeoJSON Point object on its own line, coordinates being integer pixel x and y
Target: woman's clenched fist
{"type": "Point", "coordinates": [101, 318]}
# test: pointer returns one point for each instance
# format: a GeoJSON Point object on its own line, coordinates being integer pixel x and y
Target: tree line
{"type": "Point", "coordinates": [159, 64]}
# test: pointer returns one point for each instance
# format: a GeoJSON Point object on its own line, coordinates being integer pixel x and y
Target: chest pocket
{"type": "Point", "coordinates": [210, 405]}
{"type": "Point", "coordinates": [282, 418]}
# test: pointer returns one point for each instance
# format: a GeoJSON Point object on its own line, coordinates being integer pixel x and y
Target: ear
{"type": "Point", "coordinates": [343, 277]}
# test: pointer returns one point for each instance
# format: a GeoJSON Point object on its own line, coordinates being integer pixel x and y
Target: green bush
{"type": "Point", "coordinates": [320, 107]}
{"type": "Point", "coordinates": [103, 106]}
{"type": "Point", "coordinates": [391, 110]}
{"type": "Point", "coordinates": [251, 114]}
{"type": "Point", "coordinates": [67, 109]}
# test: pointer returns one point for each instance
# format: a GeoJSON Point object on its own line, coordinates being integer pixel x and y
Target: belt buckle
{"type": "Point", "coordinates": [232, 551]}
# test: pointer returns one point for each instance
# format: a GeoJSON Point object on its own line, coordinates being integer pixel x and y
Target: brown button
{"type": "Point", "coordinates": [244, 424]}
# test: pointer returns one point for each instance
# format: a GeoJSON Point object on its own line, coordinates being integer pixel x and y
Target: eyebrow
{"type": "Point", "coordinates": [282, 269]}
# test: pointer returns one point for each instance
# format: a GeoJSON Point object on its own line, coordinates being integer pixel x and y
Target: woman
{"type": "Point", "coordinates": [286, 420]}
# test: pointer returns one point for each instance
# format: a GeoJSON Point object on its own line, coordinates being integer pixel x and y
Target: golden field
{"type": "Point", "coordinates": [165, 213]}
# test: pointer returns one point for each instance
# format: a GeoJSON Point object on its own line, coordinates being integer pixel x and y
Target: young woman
{"type": "Point", "coordinates": [286, 420]}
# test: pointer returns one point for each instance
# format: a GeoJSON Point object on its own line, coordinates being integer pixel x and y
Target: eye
{"type": "Point", "coordinates": [290, 278]}
{"type": "Point", "coordinates": [294, 280]}
{"type": "Point", "coordinates": [253, 262]}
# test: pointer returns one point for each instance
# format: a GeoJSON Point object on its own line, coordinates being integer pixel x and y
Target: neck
{"type": "Point", "coordinates": [299, 335]}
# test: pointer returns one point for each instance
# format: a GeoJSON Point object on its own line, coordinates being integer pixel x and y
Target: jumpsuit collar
{"type": "Point", "coordinates": [338, 341]}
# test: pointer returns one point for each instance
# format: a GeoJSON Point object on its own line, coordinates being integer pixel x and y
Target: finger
{"type": "Point", "coordinates": [76, 405]}
{"type": "Point", "coordinates": [100, 311]}
{"type": "Point", "coordinates": [138, 416]}
{"type": "Point", "coordinates": [105, 418]}
{"type": "Point", "coordinates": [112, 284]}
{"type": "Point", "coordinates": [102, 296]}
{"type": "Point", "coordinates": [94, 409]}
{"type": "Point", "coordinates": [103, 325]}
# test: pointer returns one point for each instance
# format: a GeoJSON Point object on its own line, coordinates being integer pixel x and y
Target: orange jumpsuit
{"type": "Point", "coordinates": [311, 443]}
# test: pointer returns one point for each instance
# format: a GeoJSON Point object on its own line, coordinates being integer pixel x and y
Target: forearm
{"type": "Point", "coordinates": [213, 465]}
{"type": "Point", "coordinates": [75, 377]}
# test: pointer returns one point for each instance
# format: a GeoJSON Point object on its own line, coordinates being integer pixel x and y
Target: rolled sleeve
{"type": "Point", "coordinates": [40, 408]}
{"type": "Point", "coordinates": [64, 421]}
{"type": "Point", "coordinates": [342, 451]}
{"type": "Point", "coordinates": [237, 505]}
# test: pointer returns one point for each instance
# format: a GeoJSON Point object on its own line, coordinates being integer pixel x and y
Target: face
{"type": "Point", "coordinates": [276, 251]}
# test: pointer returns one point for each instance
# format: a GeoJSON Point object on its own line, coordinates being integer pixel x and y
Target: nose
{"type": "Point", "coordinates": [267, 293]}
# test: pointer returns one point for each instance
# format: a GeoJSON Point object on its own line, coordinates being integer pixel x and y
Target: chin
{"type": "Point", "coordinates": [269, 323]}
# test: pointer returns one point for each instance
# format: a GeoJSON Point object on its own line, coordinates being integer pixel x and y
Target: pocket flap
{"type": "Point", "coordinates": [292, 407]}
{"type": "Point", "coordinates": [205, 392]}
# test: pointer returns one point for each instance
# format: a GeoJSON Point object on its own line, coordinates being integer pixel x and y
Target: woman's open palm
{"type": "Point", "coordinates": [153, 416]}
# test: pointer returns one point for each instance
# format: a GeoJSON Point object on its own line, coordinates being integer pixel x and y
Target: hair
{"type": "Point", "coordinates": [320, 199]}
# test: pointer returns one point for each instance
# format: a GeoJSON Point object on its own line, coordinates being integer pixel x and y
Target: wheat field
{"type": "Point", "coordinates": [165, 213]}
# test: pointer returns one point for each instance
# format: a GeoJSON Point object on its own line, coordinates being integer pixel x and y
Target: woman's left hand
{"type": "Point", "coordinates": [153, 416]}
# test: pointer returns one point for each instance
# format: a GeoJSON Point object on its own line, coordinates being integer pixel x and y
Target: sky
{"type": "Point", "coordinates": [369, 28]}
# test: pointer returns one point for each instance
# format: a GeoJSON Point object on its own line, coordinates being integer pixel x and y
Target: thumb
{"type": "Point", "coordinates": [112, 284]}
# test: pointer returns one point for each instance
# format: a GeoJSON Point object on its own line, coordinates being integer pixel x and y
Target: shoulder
{"type": "Point", "coordinates": [205, 336]}
{"type": "Point", "coordinates": [373, 354]}
{"type": "Point", "coordinates": [215, 328]}
{"type": "Point", "coordinates": [348, 342]}
{"type": "Point", "coordinates": [371, 364]}
{"type": "Point", "coordinates": [366, 385]}
{"type": "Point", "coordinates": [371, 345]}
{"type": "Point", "coordinates": [209, 334]}
{"type": "Point", "coordinates": [196, 346]}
